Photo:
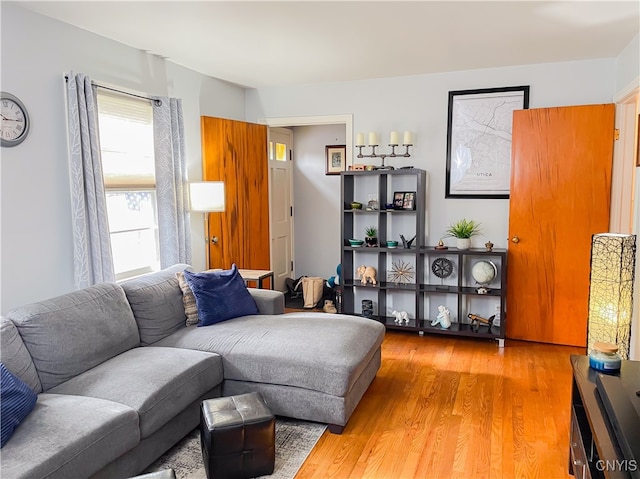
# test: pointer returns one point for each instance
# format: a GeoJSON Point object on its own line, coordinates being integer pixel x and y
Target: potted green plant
{"type": "Point", "coordinates": [462, 230]}
{"type": "Point", "coordinates": [371, 236]}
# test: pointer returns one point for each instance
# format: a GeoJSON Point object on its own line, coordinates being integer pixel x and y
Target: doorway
{"type": "Point", "coordinates": [303, 223]}
{"type": "Point", "coordinates": [281, 201]}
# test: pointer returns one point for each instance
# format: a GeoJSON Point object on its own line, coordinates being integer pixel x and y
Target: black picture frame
{"type": "Point", "coordinates": [398, 199]}
{"type": "Point", "coordinates": [409, 200]}
{"type": "Point", "coordinates": [479, 140]}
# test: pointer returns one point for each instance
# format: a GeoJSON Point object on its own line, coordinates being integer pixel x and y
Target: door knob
{"type": "Point", "coordinates": [515, 239]}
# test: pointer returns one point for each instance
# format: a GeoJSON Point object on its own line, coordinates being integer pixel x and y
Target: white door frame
{"type": "Point", "coordinates": [625, 188]}
{"type": "Point", "coordinates": [346, 120]}
{"type": "Point", "coordinates": [624, 206]}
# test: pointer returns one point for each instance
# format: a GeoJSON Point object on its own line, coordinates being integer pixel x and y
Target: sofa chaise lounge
{"type": "Point", "coordinates": [120, 376]}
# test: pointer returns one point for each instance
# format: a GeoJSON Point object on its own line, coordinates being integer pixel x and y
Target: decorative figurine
{"type": "Point", "coordinates": [441, 245]}
{"type": "Point", "coordinates": [405, 243]}
{"type": "Point", "coordinates": [443, 318]}
{"type": "Point", "coordinates": [366, 274]}
{"type": "Point", "coordinates": [401, 316]}
{"type": "Point", "coordinates": [477, 320]}
{"type": "Point", "coordinates": [489, 246]}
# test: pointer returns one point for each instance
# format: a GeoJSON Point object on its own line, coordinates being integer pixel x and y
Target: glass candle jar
{"type": "Point", "coordinates": [604, 357]}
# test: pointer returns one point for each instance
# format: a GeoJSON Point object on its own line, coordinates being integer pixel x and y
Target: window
{"type": "Point", "coordinates": [280, 151]}
{"type": "Point", "coordinates": [126, 144]}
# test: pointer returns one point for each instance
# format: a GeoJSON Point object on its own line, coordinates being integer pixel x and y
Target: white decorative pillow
{"type": "Point", "coordinates": [188, 301]}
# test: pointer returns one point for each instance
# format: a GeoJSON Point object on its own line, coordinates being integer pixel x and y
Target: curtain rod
{"type": "Point", "coordinates": [154, 100]}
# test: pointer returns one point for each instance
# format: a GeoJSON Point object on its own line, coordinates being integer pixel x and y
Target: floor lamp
{"type": "Point", "coordinates": [207, 197]}
{"type": "Point", "coordinates": [613, 258]}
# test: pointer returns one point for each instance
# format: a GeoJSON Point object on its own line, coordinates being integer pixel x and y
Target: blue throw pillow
{"type": "Point", "coordinates": [17, 400]}
{"type": "Point", "coordinates": [220, 295]}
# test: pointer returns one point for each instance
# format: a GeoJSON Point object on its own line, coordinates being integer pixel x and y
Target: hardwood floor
{"type": "Point", "coordinates": [454, 408]}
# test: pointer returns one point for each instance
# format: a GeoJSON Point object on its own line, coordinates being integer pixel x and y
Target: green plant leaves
{"type": "Point", "coordinates": [463, 229]}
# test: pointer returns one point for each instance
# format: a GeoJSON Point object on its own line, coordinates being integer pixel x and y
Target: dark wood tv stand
{"type": "Point", "coordinates": [593, 449]}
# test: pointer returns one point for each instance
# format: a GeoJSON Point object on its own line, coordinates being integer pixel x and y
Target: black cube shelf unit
{"type": "Point", "coordinates": [421, 296]}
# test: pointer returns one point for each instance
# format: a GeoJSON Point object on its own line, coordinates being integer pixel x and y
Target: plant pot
{"type": "Point", "coordinates": [463, 243]}
{"type": "Point", "coordinates": [371, 240]}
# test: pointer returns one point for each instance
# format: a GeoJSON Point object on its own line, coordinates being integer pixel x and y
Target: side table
{"type": "Point", "coordinates": [594, 449]}
{"type": "Point", "coordinates": [257, 275]}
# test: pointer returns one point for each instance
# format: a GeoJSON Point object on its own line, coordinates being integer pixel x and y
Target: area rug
{"type": "Point", "coordinates": [294, 441]}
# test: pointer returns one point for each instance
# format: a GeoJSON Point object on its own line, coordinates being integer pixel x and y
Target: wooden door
{"type": "Point", "coordinates": [560, 196]}
{"type": "Point", "coordinates": [236, 152]}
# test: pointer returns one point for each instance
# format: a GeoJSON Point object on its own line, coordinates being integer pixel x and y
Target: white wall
{"type": "Point", "coordinates": [317, 251]}
{"type": "Point", "coordinates": [628, 65]}
{"type": "Point", "coordinates": [36, 249]}
{"type": "Point", "coordinates": [419, 103]}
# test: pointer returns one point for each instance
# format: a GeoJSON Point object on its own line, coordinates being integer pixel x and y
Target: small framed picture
{"type": "Point", "coordinates": [398, 200]}
{"type": "Point", "coordinates": [336, 159]}
{"type": "Point", "coordinates": [409, 200]}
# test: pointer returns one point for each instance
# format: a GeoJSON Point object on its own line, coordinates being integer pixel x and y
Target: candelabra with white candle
{"type": "Point", "coordinates": [394, 137]}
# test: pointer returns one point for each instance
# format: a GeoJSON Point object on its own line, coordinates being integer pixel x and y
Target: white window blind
{"type": "Point", "coordinates": [126, 140]}
{"type": "Point", "coordinates": [128, 163]}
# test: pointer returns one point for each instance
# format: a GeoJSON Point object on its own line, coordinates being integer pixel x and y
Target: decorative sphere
{"type": "Point", "coordinates": [484, 272]}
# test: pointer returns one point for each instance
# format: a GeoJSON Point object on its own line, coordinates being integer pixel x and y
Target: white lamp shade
{"type": "Point", "coordinates": [206, 196]}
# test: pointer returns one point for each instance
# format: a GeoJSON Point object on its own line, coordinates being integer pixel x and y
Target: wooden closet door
{"type": "Point", "coordinates": [236, 152]}
{"type": "Point", "coordinates": [560, 196]}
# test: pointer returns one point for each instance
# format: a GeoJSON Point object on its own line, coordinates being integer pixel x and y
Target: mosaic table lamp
{"type": "Point", "coordinates": [613, 258]}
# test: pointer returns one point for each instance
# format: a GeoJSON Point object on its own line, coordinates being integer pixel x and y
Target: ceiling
{"type": "Point", "coordinates": [264, 43]}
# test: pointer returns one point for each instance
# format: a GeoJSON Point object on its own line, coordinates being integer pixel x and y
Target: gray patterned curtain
{"type": "Point", "coordinates": [171, 180]}
{"type": "Point", "coordinates": [92, 258]}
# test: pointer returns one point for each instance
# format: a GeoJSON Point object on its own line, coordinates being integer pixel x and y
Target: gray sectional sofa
{"type": "Point", "coordinates": [120, 377]}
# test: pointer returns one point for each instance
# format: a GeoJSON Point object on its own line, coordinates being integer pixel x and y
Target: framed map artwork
{"type": "Point", "coordinates": [479, 141]}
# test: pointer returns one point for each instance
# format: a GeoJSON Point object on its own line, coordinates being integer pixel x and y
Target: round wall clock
{"type": "Point", "coordinates": [15, 120]}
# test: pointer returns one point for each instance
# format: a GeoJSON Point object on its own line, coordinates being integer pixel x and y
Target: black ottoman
{"type": "Point", "coordinates": [237, 435]}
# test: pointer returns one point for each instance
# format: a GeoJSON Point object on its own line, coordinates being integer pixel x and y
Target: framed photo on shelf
{"type": "Point", "coordinates": [336, 159]}
{"type": "Point", "coordinates": [479, 141]}
{"type": "Point", "coordinates": [409, 200]}
{"type": "Point", "coordinates": [398, 200]}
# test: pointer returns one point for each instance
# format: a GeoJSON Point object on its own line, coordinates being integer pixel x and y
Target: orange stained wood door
{"type": "Point", "coordinates": [560, 196]}
{"type": "Point", "coordinates": [236, 152]}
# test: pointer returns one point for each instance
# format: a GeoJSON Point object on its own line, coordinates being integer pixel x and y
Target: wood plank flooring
{"type": "Point", "coordinates": [456, 408]}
